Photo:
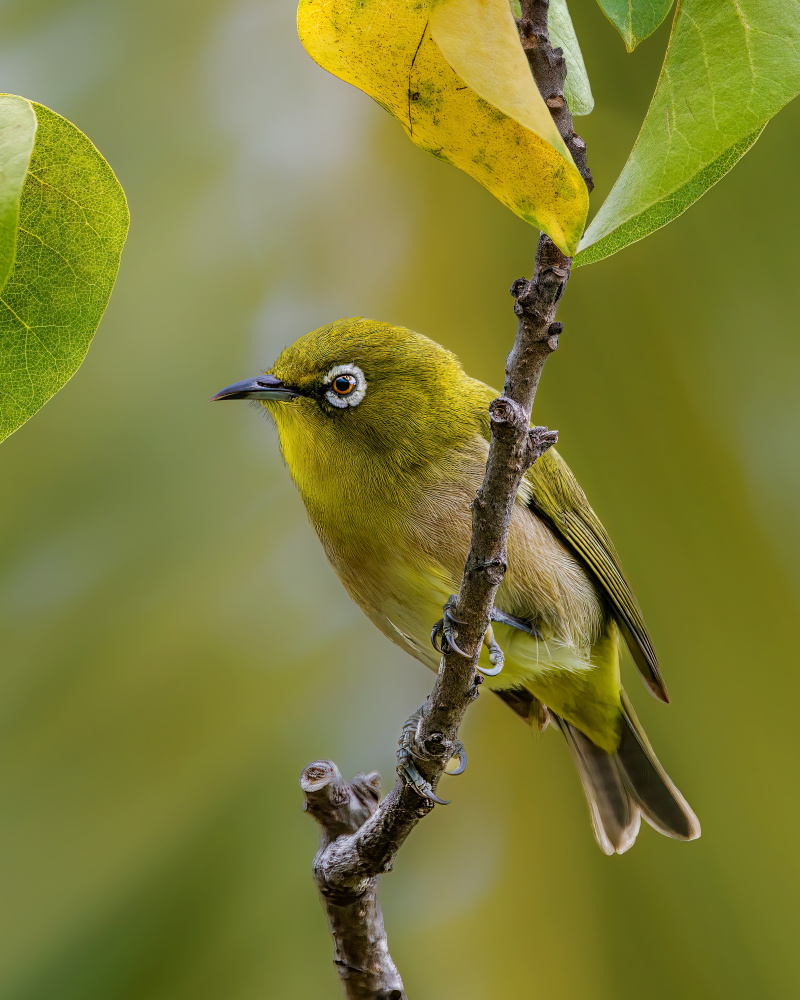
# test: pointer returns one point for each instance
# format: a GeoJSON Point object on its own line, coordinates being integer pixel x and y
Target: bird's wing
{"type": "Point", "coordinates": [559, 500]}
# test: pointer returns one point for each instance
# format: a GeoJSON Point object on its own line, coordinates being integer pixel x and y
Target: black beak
{"type": "Point", "coordinates": [261, 387]}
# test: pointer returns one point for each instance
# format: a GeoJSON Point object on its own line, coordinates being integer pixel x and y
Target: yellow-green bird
{"type": "Point", "coordinates": [386, 438]}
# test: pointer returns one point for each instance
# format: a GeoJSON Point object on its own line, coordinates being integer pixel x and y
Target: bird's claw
{"type": "Point", "coordinates": [461, 753]}
{"type": "Point", "coordinates": [422, 787]}
{"type": "Point", "coordinates": [496, 657]}
{"type": "Point", "coordinates": [443, 640]}
{"type": "Point", "coordinates": [408, 770]}
{"type": "Point", "coordinates": [443, 635]}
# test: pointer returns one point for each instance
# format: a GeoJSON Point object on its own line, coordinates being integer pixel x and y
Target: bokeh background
{"type": "Point", "coordinates": [175, 647]}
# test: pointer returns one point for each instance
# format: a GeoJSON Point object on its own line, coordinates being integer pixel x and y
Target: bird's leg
{"type": "Point", "coordinates": [495, 652]}
{"type": "Point", "coordinates": [409, 748]}
{"type": "Point", "coordinates": [501, 618]}
{"type": "Point", "coordinates": [443, 635]}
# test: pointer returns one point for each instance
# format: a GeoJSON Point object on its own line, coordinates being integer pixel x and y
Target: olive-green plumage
{"type": "Point", "coordinates": [386, 438]}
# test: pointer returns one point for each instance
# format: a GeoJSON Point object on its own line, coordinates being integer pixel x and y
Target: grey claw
{"type": "Point", "coordinates": [419, 784]}
{"type": "Point", "coordinates": [462, 761]}
{"type": "Point", "coordinates": [448, 635]}
{"type": "Point", "coordinates": [493, 672]}
{"type": "Point", "coordinates": [443, 630]}
{"type": "Point", "coordinates": [407, 769]}
{"type": "Point", "coordinates": [495, 655]}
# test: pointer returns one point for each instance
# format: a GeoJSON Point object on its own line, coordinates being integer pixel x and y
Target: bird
{"type": "Point", "coordinates": [386, 438]}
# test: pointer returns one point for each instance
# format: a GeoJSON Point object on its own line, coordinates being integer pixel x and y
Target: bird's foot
{"type": "Point", "coordinates": [443, 635]}
{"type": "Point", "coordinates": [496, 657]}
{"type": "Point", "coordinates": [409, 749]}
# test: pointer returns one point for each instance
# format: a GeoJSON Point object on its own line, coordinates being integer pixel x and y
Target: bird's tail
{"type": "Point", "coordinates": [624, 786]}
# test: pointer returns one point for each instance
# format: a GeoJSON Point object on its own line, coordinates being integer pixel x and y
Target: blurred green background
{"type": "Point", "coordinates": [175, 647]}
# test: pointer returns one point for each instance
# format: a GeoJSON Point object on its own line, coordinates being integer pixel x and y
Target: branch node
{"type": "Point", "coordinates": [525, 28]}
{"type": "Point", "coordinates": [540, 440]}
{"type": "Point", "coordinates": [493, 570]}
{"type": "Point", "coordinates": [553, 332]}
{"type": "Point", "coordinates": [507, 416]}
{"type": "Point", "coordinates": [517, 288]}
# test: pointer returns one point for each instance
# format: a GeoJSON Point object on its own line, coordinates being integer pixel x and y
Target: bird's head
{"type": "Point", "coordinates": [359, 388]}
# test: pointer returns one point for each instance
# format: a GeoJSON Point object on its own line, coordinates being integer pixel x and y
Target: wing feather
{"type": "Point", "coordinates": [557, 497]}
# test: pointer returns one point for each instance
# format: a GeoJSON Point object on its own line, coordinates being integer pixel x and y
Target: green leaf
{"type": "Point", "coordinates": [454, 73]}
{"type": "Point", "coordinates": [729, 68]}
{"type": "Point", "coordinates": [17, 130]}
{"type": "Point", "coordinates": [71, 227]}
{"type": "Point", "coordinates": [577, 89]}
{"type": "Point", "coordinates": [635, 19]}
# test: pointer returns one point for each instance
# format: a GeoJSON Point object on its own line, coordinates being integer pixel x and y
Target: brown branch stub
{"type": "Point", "coordinates": [361, 952]}
{"type": "Point", "coordinates": [337, 805]}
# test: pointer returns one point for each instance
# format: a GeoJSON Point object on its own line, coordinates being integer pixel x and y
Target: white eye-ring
{"type": "Point", "coordinates": [346, 386]}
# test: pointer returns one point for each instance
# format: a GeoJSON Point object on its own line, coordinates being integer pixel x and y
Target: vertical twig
{"type": "Point", "coordinates": [360, 839]}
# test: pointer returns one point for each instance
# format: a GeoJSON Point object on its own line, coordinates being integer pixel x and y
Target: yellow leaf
{"type": "Point", "coordinates": [479, 39]}
{"type": "Point", "coordinates": [454, 73]}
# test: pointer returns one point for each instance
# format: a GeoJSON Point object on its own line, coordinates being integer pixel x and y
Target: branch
{"type": "Point", "coordinates": [549, 70]}
{"type": "Point", "coordinates": [360, 839]}
{"type": "Point", "coordinates": [361, 953]}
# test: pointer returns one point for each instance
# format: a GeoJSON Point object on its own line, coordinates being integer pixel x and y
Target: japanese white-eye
{"type": "Point", "coordinates": [386, 439]}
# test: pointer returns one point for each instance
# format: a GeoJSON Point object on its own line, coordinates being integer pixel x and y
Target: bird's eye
{"type": "Point", "coordinates": [344, 386]}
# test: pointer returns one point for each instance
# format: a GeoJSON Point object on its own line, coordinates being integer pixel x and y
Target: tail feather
{"type": "Point", "coordinates": [615, 817]}
{"type": "Point", "coordinates": [625, 786]}
{"type": "Point", "coordinates": [662, 805]}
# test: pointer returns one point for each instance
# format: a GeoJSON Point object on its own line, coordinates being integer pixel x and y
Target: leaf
{"type": "Point", "coordinates": [577, 89]}
{"type": "Point", "coordinates": [17, 129]}
{"type": "Point", "coordinates": [730, 67]}
{"type": "Point", "coordinates": [72, 223]}
{"type": "Point", "coordinates": [455, 75]}
{"type": "Point", "coordinates": [635, 19]}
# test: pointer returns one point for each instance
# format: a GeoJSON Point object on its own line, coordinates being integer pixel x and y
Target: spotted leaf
{"type": "Point", "coordinates": [454, 74]}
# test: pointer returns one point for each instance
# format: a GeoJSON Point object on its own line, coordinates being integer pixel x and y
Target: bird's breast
{"type": "Point", "coordinates": [399, 541]}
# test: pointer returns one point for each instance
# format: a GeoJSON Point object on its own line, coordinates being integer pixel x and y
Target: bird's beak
{"type": "Point", "coordinates": [261, 387]}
